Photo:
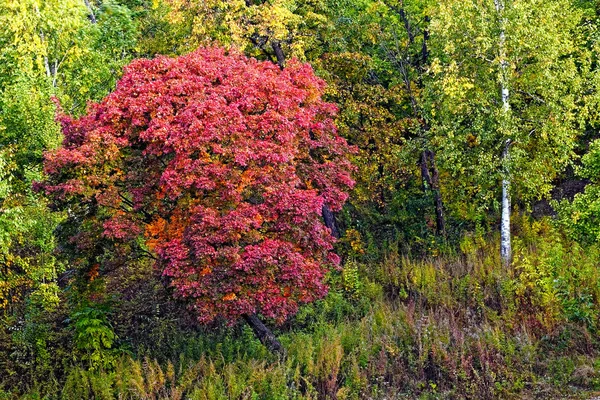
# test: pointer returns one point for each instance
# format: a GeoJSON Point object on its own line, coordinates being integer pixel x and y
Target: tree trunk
{"type": "Point", "coordinates": [435, 176]}
{"type": "Point", "coordinates": [437, 196]}
{"type": "Point", "coordinates": [505, 239]}
{"type": "Point", "coordinates": [43, 39]}
{"type": "Point", "coordinates": [505, 246]}
{"type": "Point", "coordinates": [276, 45]}
{"type": "Point", "coordinates": [431, 182]}
{"type": "Point", "coordinates": [264, 334]}
{"type": "Point", "coordinates": [425, 177]}
{"type": "Point", "coordinates": [329, 219]}
{"type": "Point", "coordinates": [91, 15]}
{"type": "Point", "coordinates": [429, 171]}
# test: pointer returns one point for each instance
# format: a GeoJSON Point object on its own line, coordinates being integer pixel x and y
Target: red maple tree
{"type": "Point", "coordinates": [220, 165]}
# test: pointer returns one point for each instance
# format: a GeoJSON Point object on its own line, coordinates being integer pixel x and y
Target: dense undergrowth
{"type": "Point", "coordinates": [450, 326]}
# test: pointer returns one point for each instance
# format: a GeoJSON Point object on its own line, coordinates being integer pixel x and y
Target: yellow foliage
{"type": "Point", "coordinates": [229, 297]}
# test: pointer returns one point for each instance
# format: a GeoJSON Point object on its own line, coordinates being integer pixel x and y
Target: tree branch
{"type": "Point", "coordinates": [91, 15]}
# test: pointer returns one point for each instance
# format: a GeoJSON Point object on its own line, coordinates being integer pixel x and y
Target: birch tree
{"type": "Point", "coordinates": [505, 242]}
{"type": "Point", "coordinates": [503, 91]}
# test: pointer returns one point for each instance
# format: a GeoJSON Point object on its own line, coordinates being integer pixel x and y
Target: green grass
{"type": "Point", "coordinates": [458, 326]}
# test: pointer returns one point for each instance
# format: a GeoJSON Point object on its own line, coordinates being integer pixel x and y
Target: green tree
{"type": "Point", "coordinates": [581, 216]}
{"type": "Point", "coordinates": [50, 48]}
{"type": "Point", "coordinates": [274, 29]}
{"type": "Point", "coordinates": [504, 92]}
{"type": "Point", "coordinates": [376, 64]}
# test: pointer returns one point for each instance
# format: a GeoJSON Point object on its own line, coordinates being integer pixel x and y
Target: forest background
{"type": "Point", "coordinates": [469, 243]}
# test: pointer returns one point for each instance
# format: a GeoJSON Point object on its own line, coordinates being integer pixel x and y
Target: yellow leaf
{"type": "Point", "coordinates": [229, 297]}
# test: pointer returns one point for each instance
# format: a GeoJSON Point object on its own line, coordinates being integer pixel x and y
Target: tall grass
{"type": "Point", "coordinates": [458, 326]}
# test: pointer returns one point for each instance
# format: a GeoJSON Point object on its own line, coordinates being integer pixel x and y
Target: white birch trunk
{"type": "Point", "coordinates": [505, 246]}
{"type": "Point", "coordinates": [43, 39]}
{"type": "Point", "coordinates": [505, 243]}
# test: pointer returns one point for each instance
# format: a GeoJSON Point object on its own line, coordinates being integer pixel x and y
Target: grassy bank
{"type": "Point", "coordinates": [455, 326]}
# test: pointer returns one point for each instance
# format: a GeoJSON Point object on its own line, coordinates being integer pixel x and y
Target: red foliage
{"type": "Point", "coordinates": [221, 164]}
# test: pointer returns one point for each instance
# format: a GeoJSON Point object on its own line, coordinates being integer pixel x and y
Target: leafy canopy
{"type": "Point", "coordinates": [47, 48]}
{"type": "Point", "coordinates": [544, 69]}
{"type": "Point", "coordinates": [219, 165]}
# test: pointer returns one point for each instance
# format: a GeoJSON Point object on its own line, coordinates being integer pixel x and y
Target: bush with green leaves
{"type": "Point", "coordinates": [581, 216]}
{"type": "Point", "coordinates": [94, 336]}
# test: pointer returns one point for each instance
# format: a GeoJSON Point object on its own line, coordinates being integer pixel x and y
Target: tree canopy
{"type": "Point", "coordinates": [404, 191]}
{"type": "Point", "coordinates": [220, 165]}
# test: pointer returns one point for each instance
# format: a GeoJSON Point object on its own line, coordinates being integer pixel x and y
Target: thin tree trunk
{"type": "Point", "coordinates": [264, 334]}
{"type": "Point", "coordinates": [430, 180]}
{"type": "Point", "coordinates": [329, 219]}
{"type": "Point", "coordinates": [43, 39]}
{"type": "Point", "coordinates": [505, 237]}
{"type": "Point", "coordinates": [54, 73]}
{"type": "Point", "coordinates": [276, 45]}
{"type": "Point", "coordinates": [425, 176]}
{"type": "Point", "coordinates": [91, 11]}
{"type": "Point", "coordinates": [46, 63]}
{"type": "Point", "coordinates": [437, 196]}
{"type": "Point", "coordinates": [435, 176]}
{"type": "Point", "coordinates": [505, 245]}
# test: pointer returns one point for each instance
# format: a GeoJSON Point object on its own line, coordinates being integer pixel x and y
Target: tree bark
{"type": "Point", "coordinates": [43, 39]}
{"type": "Point", "coordinates": [440, 221]}
{"type": "Point", "coordinates": [505, 245]}
{"type": "Point", "coordinates": [505, 237]}
{"type": "Point", "coordinates": [278, 53]}
{"type": "Point", "coordinates": [437, 196]}
{"type": "Point", "coordinates": [264, 334]}
{"type": "Point", "coordinates": [91, 14]}
{"type": "Point", "coordinates": [425, 176]}
{"type": "Point", "coordinates": [330, 222]}
{"type": "Point", "coordinates": [431, 182]}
